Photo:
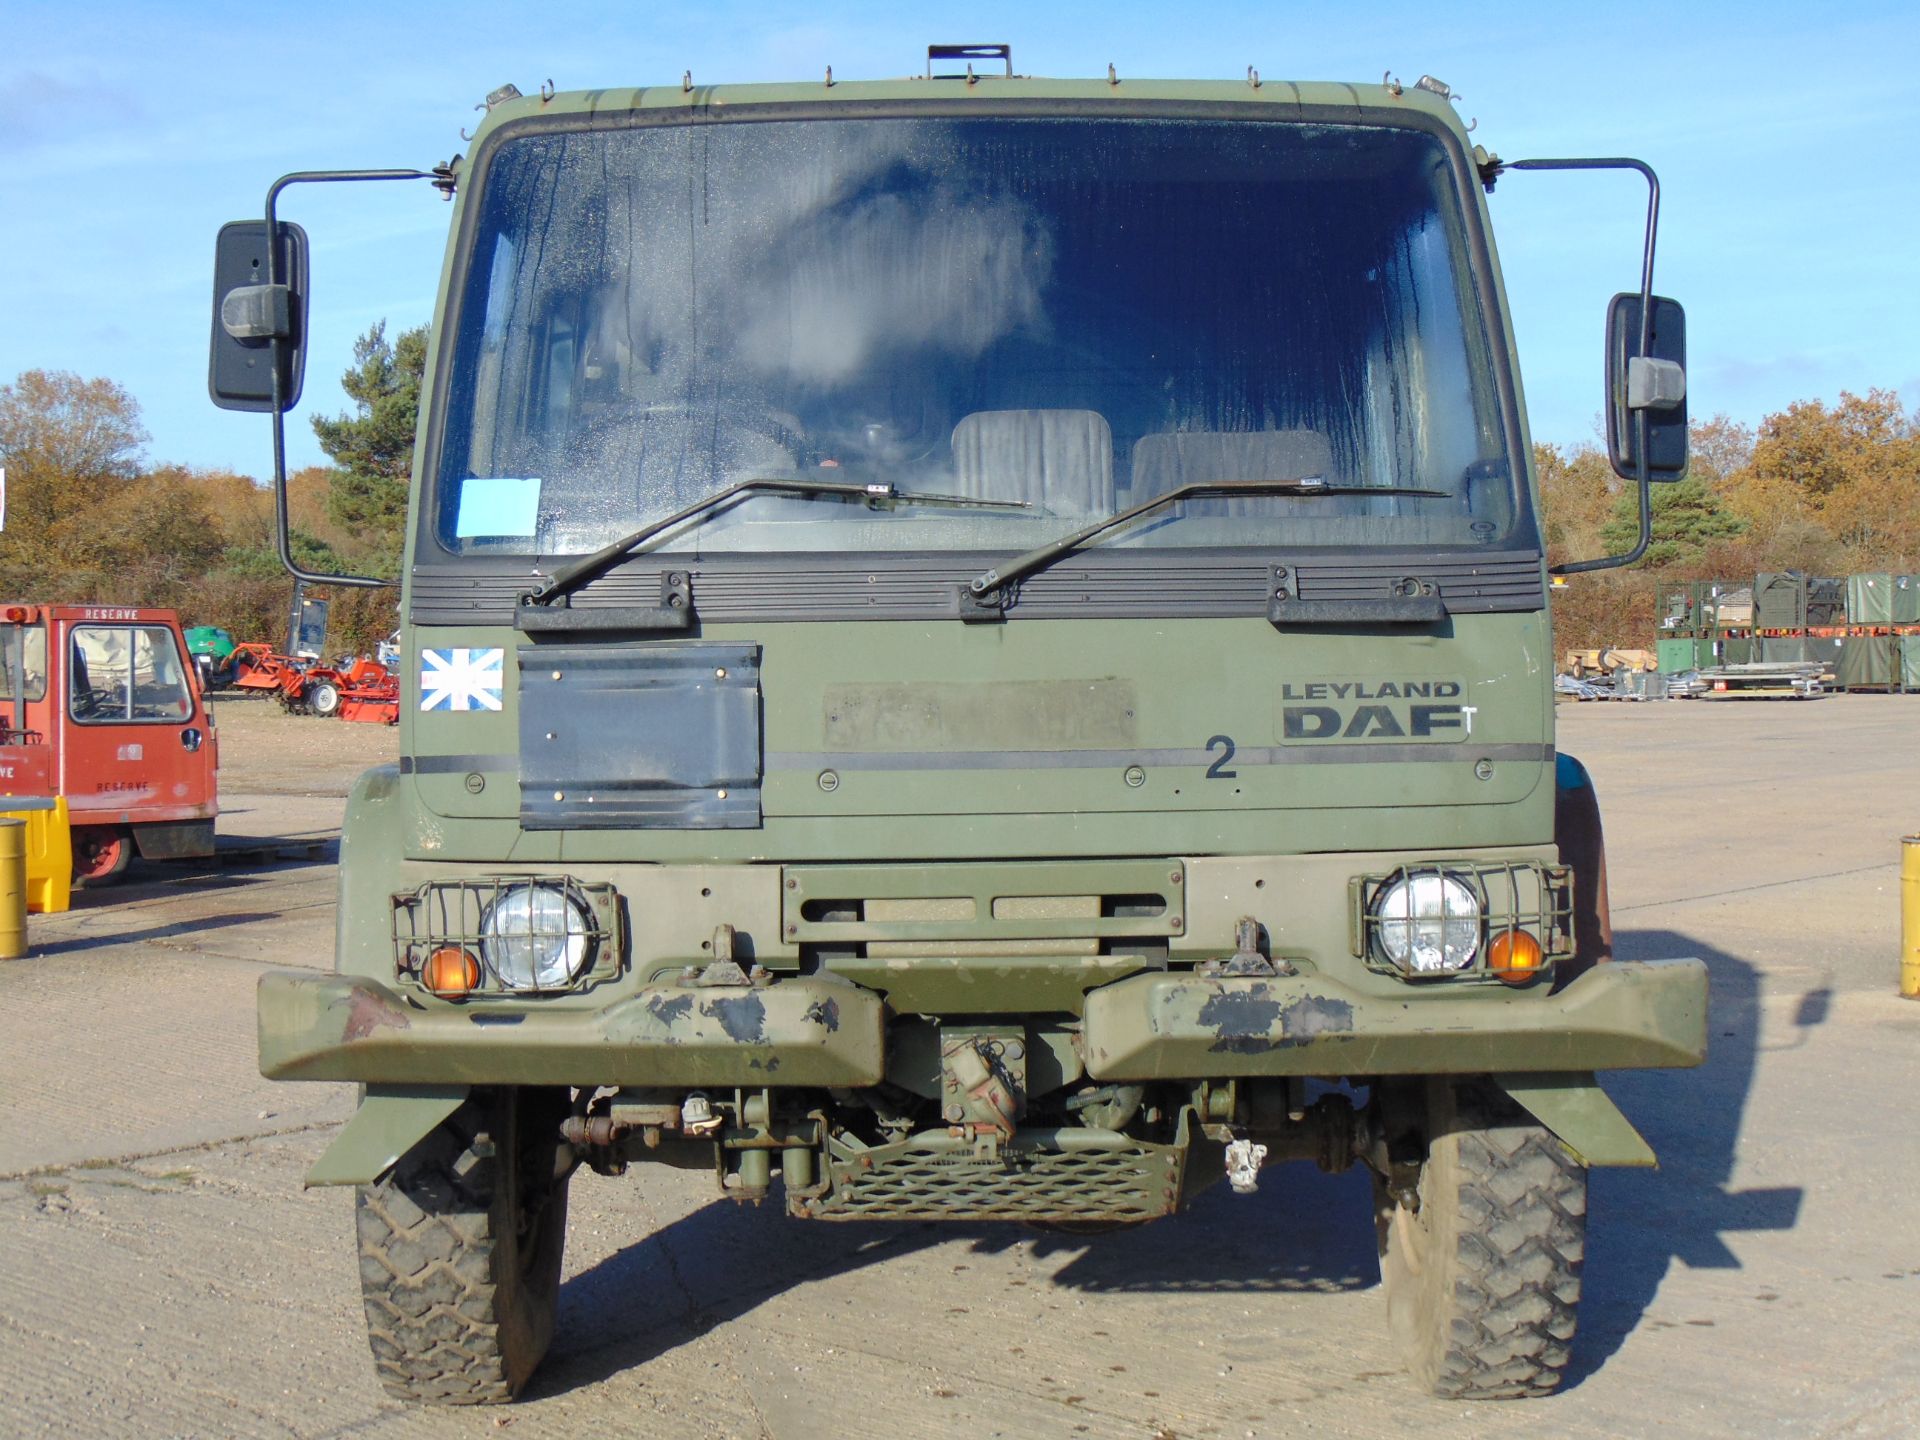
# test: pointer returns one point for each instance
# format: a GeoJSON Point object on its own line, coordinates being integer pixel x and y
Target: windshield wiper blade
{"type": "Point", "coordinates": [570, 577]}
{"type": "Point", "coordinates": [1045, 555]}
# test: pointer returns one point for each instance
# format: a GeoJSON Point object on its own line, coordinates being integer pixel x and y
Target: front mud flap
{"type": "Point", "coordinates": [391, 1120]}
{"type": "Point", "coordinates": [1581, 1116]}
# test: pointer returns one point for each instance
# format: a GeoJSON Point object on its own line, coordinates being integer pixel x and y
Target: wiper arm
{"type": "Point", "coordinates": [570, 577]}
{"type": "Point", "coordinates": [1046, 554]}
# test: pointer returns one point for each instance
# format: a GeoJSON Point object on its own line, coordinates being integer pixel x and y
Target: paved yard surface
{"type": "Point", "coordinates": [162, 1273]}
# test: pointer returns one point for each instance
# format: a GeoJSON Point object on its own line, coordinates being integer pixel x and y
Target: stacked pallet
{"type": "Point", "coordinates": [1705, 624]}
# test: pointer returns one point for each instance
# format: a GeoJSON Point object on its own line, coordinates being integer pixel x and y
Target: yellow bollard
{"type": "Point", "coordinates": [13, 889]}
{"type": "Point", "coordinates": [1910, 917]}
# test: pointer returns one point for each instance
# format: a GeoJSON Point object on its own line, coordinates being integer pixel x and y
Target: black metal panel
{"type": "Point", "coordinates": [640, 736]}
{"type": "Point", "coordinates": [1110, 586]}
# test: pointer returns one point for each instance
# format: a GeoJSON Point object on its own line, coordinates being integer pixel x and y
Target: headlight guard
{"type": "Point", "coordinates": [1395, 915]}
{"type": "Point", "coordinates": [529, 934]}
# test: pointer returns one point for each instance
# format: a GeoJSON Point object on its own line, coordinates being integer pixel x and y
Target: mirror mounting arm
{"type": "Point", "coordinates": [283, 533]}
{"type": "Point", "coordinates": [1641, 478]}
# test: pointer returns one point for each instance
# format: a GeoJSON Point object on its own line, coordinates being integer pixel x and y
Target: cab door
{"type": "Point", "coordinates": [137, 747]}
{"type": "Point", "coordinates": [27, 740]}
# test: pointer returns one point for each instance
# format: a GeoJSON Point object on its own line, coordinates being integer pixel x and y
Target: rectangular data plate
{"type": "Point", "coordinates": [640, 736]}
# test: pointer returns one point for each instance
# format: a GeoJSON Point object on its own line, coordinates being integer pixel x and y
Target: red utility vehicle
{"type": "Point", "coordinates": [102, 705]}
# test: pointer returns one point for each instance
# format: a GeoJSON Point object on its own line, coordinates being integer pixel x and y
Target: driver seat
{"type": "Point", "coordinates": [1060, 460]}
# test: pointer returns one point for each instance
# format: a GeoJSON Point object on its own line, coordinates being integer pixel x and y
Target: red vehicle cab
{"type": "Point", "coordinates": [101, 705]}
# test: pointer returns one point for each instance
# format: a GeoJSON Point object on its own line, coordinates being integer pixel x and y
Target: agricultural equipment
{"type": "Point", "coordinates": [212, 650]}
{"type": "Point", "coordinates": [978, 646]}
{"type": "Point", "coordinates": [355, 689]}
{"type": "Point", "coordinates": [364, 690]}
{"type": "Point", "coordinates": [258, 666]}
{"type": "Point", "coordinates": [103, 707]}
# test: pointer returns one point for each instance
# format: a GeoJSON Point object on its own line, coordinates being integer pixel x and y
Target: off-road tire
{"type": "Point", "coordinates": [460, 1252]}
{"type": "Point", "coordinates": [323, 699]}
{"type": "Point", "coordinates": [1483, 1282]}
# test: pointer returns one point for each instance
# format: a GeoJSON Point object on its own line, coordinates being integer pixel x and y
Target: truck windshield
{"type": "Point", "coordinates": [1073, 313]}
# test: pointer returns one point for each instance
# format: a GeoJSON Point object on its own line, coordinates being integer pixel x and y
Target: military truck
{"type": "Point", "coordinates": [980, 650]}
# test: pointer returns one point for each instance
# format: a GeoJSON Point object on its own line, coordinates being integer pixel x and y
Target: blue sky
{"type": "Point", "coordinates": [1784, 135]}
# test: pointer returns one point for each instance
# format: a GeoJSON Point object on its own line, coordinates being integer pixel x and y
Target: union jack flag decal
{"type": "Point", "coordinates": [461, 679]}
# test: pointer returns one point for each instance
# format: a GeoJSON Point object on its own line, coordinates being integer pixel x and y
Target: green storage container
{"type": "Point", "coordinates": [1826, 650]}
{"type": "Point", "coordinates": [1780, 601]}
{"type": "Point", "coordinates": [1674, 656]}
{"type": "Point", "coordinates": [1910, 663]}
{"type": "Point", "coordinates": [1784, 649]}
{"type": "Point", "coordinates": [1906, 599]}
{"type": "Point", "coordinates": [1826, 602]}
{"type": "Point", "coordinates": [1867, 663]}
{"type": "Point", "coordinates": [1870, 599]}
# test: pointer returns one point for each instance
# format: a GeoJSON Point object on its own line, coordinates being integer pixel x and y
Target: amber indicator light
{"type": "Point", "coordinates": [1514, 956]}
{"type": "Point", "coordinates": [451, 972]}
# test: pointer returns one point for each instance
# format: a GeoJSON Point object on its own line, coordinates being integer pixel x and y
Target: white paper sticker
{"type": "Point", "coordinates": [497, 508]}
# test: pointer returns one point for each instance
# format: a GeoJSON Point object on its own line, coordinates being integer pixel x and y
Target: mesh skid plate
{"type": "Point", "coordinates": [1055, 1175]}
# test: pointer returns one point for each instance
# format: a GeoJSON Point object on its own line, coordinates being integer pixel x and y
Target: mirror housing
{"type": "Point", "coordinates": [1649, 389]}
{"type": "Point", "coordinates": [256, 321]}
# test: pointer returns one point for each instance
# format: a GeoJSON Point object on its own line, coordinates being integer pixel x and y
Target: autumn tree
{"type": "Point", "coordinates": [1853, 469]}
{"type": "Point", "coordinates": [1718, 449]}
{"type": "Point", "coordinates": [1576, 497]}
{"type": "Point", "coordinates": [67, 445]}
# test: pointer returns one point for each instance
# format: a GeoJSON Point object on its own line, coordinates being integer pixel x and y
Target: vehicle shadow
{"type": "Point", "coordinates": [103, 939]}
{"type": "Point", "coordinates": [722, 1261]}
{"type": "Point", "coordinates": [1642, 1221]}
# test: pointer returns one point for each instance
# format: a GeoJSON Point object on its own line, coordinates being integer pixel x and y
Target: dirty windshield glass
{"type": "Point", "coordinates": [1077, 314]}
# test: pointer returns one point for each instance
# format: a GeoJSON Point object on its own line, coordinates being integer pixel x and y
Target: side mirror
{"type": "Point", "coordinates": [1648, 388]}
{"type": "Point", "coordinates": [254, 321]}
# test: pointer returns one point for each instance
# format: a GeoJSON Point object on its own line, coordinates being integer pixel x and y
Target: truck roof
{"type": "Point", "coordinates": [1372, 102]}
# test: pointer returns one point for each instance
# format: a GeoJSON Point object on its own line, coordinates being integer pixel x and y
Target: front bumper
{"type": "Point", "coordinates": [803, 1031]}
{"type": "Point", "coordinates": [795, 1032]}
{"type": "Point", "coordinates": [1618, 1016]}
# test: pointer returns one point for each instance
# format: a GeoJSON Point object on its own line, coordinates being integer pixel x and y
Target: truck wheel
{"type": "Point", "coordinates": [101, 855]}
{"type": "Point", "coordinates": [323, 698]}
{"type": "Point", "coordinates": [1483, 1281]}
{"type": "Point", "coordinates": [460, 1252]}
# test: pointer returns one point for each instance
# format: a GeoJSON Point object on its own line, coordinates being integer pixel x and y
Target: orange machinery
{"type": "Point", "coordinates": [102, 705]}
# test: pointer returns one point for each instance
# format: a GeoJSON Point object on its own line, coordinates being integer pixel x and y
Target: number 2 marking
{"type": "Point", "coordinates": [1218, 770]}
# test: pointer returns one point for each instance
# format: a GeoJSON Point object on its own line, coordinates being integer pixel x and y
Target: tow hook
{"type": "Point", "coordinates": [1243, 1165]}
{"type": "Point", "coordinates": [1249, 954]}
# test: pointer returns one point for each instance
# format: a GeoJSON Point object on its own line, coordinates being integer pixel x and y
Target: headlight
{"type": "Point", "coordinates": [536, 937]}
{"type": "Point", "coordinates": [1428, 924]}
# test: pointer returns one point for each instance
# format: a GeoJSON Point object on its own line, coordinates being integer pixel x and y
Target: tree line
{"type": "Point", "coordinates": [89, 521]}
{"type": "Point", "coordinates": [1829, 489]}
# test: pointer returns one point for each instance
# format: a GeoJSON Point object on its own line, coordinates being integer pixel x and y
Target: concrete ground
{"type": "Point", "coordinates": [162, 1273]}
